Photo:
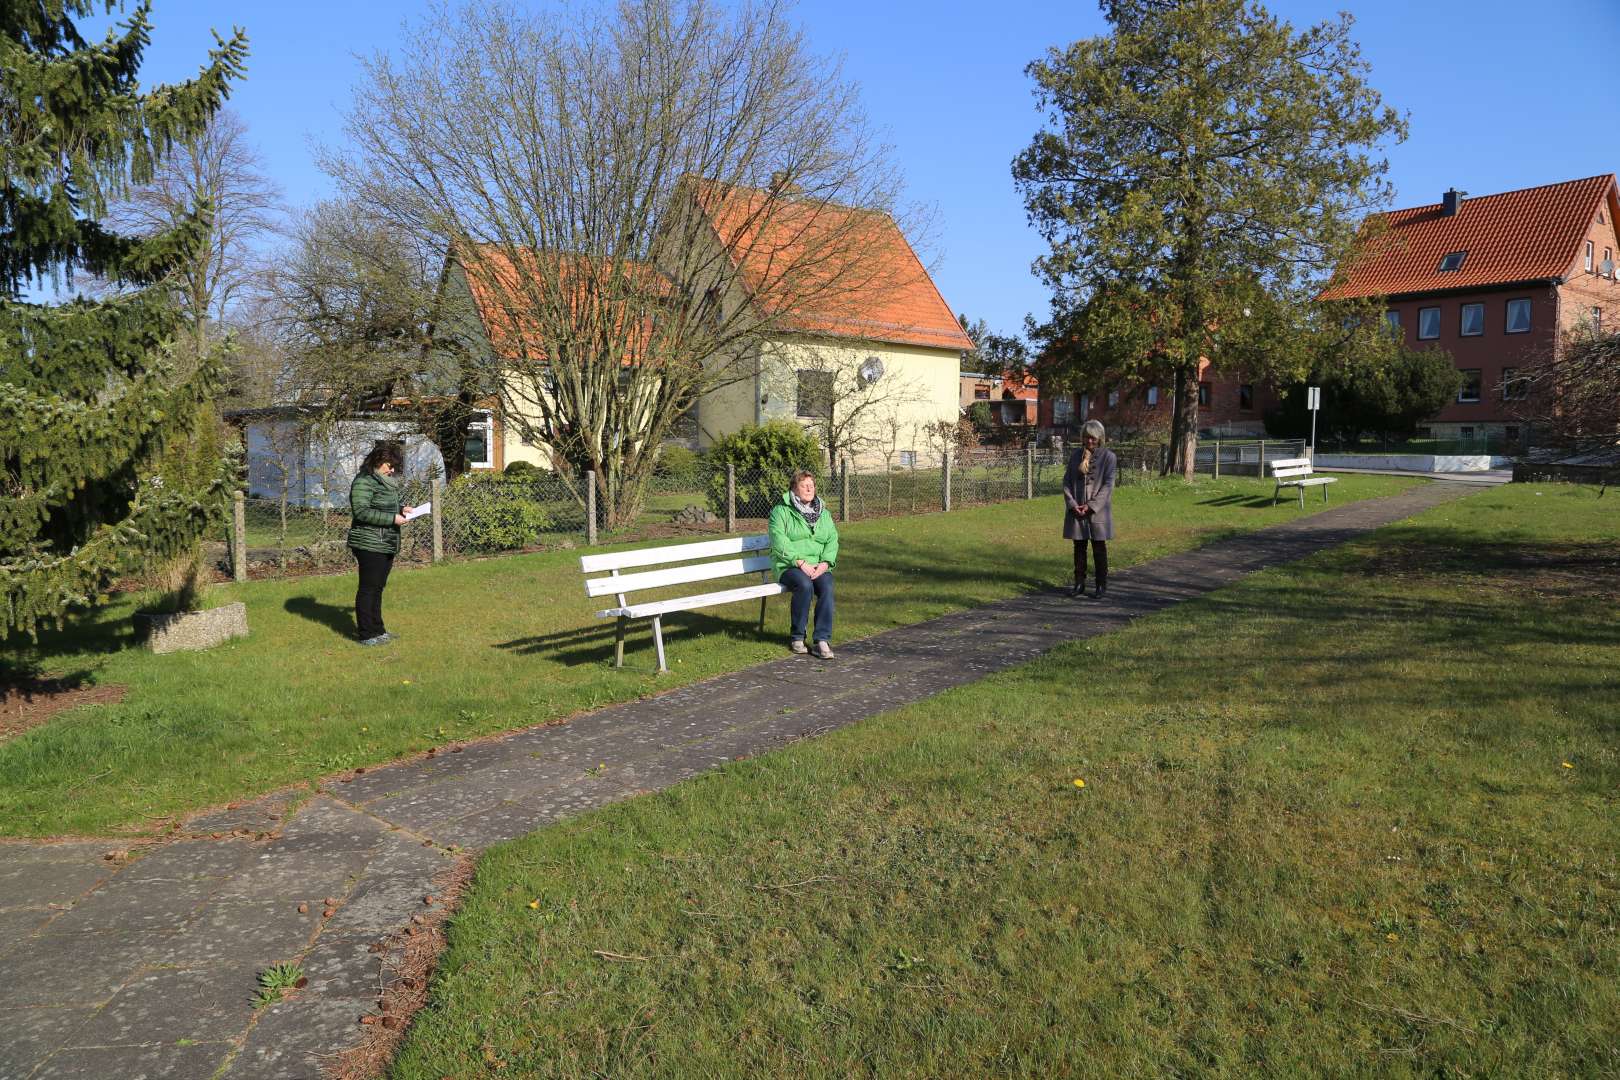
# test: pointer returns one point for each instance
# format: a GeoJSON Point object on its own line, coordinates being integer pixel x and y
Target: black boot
{"type": "Point", "coordinates": [1078, 589]}
{"type": "Point", "coordinates": [1102, 590]}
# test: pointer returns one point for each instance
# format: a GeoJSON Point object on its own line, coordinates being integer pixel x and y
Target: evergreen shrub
{"type": "Point", "coordinates": [765, 457]}
{"type": "Point", "coordinates": [488, 512]}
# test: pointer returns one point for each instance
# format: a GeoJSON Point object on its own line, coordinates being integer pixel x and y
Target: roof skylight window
{"type": "Point", "coordinates": [1452, 261]}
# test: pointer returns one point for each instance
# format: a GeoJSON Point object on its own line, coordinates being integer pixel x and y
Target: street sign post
{"type": "Point", "coordinates": [1313, 401]}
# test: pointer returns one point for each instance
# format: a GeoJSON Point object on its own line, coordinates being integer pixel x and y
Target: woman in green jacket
{"type": "Point", "coordinates": [804, 550]}
{"type": "Point", "coordinates": [375, 513]}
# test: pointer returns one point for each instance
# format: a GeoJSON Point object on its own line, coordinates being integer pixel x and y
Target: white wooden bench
{"type": "Point", "coordinates": [1296, 472]}
{"type": "Point", "coordinates": [706, 560]}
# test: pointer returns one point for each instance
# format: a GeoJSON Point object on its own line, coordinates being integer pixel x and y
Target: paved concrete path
{"type": "Point", "coordinates": [147, 969]}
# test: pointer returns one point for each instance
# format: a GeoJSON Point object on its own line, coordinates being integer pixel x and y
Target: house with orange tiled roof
{"type": "Point", "coordinates": [880, 330]}
{"type": "Point", "coordinates": [888, 327]}
{"type": "Point", "coordinates": [1495, 280]}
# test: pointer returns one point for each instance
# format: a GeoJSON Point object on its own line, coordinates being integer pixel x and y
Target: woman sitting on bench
{"type": "Point", "coordinates": [804, 550]}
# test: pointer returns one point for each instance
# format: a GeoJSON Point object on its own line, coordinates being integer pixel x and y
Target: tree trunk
{"type": "Point", "coordinates": [1188, 413]}
{"type": "Point", "coordinates": [1184, 425]}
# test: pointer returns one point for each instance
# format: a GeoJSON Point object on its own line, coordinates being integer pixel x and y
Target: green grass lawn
{"type": "Point", "coordinates": [493, 645]}
{"type": "Point", "coordinates": [1355, 816]}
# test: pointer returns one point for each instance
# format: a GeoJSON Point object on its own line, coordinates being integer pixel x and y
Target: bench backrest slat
{"type": "Point", "coordinates": [1291, 463]}
{"type": "Point", "coordinates": [673, 553]}
{"type": "Point", "coordinates": [1286, 474]}
{"type": "Point", "coordinates": [675, 575]}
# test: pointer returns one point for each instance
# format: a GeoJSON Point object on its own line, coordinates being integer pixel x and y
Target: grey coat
{"type": "Point", "coordinates": [1096, 491]}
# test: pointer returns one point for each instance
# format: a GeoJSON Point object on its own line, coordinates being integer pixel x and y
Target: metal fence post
{"type": "Point", "coordinates": [843, 492]}
{"type": "Point", "coordinates": [1029, 472]}
{"type": "Point", "coordinates": [945, 482]}
{"type": "Point", "coordinates": [238, 536]}
{"type": "Point", "coordinates": [731, 497]}
{"type": "Point", "coordinates": [438, 519]}
{"type": "Point", "coordinates": [1262, 470]}
{"type": "Point", "coordinates": [1217, 463]}
{"type": "Point", "coordinates": [590, 506]}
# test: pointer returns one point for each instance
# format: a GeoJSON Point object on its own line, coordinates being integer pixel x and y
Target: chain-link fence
{"type": "Point", "coordinates": [485, 514]}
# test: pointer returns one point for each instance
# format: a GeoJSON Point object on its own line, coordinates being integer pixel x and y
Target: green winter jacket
{"type": "Point", "coordinates": [792, 539]}
{"type": "Point", "coordinates": [374, 499]}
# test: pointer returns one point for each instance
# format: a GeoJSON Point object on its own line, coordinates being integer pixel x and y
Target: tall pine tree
{"type": "Point", "coordinates": [93, 393]}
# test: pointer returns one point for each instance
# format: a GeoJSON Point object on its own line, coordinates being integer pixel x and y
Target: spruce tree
{"type": "Point", "coordinates": [93, 392]}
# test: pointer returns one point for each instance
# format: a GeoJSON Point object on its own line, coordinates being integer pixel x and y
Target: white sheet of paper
{"type": "Point", "coordinates": [419, 511]}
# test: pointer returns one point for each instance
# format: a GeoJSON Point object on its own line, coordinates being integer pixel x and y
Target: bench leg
{"type": "Point", "coordinates": [1275, 495]}
{"type": "Point", "coordinates": [1324, 488]}
{"type": "Point", "coordinates": [658, 639]}
{"type": "Point", "coordinates": [1302, 496]}
{"type": "Point", "coordinates": [618, 643]}
{"type": "Point", "coordinates": [762, 601]}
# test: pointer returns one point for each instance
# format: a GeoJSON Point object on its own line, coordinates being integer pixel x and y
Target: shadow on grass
{"type": "Point", "coordinates": [1259, 501]}
{"type": "Point", "coordinates": [109, 630]}
{"type": "Point", "coordinates": [594, 644]}
{"type": "Point", "coordinates": [340, 620]}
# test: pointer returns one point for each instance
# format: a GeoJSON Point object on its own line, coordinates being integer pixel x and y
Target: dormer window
{"type": "Point", "coordinates": [1453, 260]}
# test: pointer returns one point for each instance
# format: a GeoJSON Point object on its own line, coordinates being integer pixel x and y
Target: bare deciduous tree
{"type": "Point", "coordinates": [638, 197]}
{"type": "Point", "coordinates": [359, 308]}
{"type": "Point", "coordinates": [219, 167]}
{"type": "Point", "coordinates": [1572, 392]}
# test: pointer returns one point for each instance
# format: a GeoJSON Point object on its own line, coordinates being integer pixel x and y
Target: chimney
{"type": "Point", "coordinates": [1451, 202]}
{"type": "Point", "coordinates": [782, 184]}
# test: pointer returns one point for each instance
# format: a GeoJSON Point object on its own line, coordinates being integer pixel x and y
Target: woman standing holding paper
{"type": "Point", "coordinates": [375, 513]}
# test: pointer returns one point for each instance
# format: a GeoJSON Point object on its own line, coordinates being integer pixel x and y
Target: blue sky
{"type": "Point", "coordinates": [1500, 95]}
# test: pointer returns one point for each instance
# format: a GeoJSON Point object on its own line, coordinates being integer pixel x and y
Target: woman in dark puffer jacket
{"type": "Point", "coordinates": [375, 513]}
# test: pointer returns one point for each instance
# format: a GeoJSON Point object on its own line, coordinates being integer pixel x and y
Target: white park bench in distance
{"type": "Point", "coordinates": [706, 560]}
{"type": "Point", "coordinates": [1296, 472]}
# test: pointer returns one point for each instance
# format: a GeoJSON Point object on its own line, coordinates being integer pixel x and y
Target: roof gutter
{"type": "Point", "coordinates": [1504, 286]}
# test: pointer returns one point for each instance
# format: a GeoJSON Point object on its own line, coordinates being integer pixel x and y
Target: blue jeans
{"type": "Point", "coordinates": [802, 588]}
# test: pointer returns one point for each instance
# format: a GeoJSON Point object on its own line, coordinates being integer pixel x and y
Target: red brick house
{"type": "Point", "coordinates": [1012, 399]}
{"type": "Point", "coordinates": [1228, 405]}
{"type": "Point", "coordinates": [1494, 280]}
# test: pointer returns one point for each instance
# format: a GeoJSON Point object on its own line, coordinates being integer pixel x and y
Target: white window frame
{"type": "Point", "coordinates": [1590, 250]}
{"type": "Point", "coordinates": [1513, 388]}
{"type": "Point", "coordinates": [1153, 397]}
{"type": "Point", "coordinates": [1478, 387]}
{"type": "Point", "coordinates": [1113, 399]}
{"type": "Point", "coordinates": [1392, 319]}
{"type": "Point", "coordinates": [1462, 320]}
{"type": "Point", "coordinates": [1508, 315]}
{"type": "Point", "coordinates": [485, 422]}
{"type": "Point", "coordinates": [1062, 410]}
{"type": "Point", "coordinates": [1421, 336]}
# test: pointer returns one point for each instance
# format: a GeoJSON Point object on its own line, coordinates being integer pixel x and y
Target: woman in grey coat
{"type": "Point", "coordinates": [1088, 492]}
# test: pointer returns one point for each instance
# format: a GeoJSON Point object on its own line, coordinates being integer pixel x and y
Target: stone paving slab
{"type": "Point", "coordinates": [148, 968]}
{"type": "Point", "coordinates": [169, 1005]}
{"type": "Point", "coordinates": [134, 1063]}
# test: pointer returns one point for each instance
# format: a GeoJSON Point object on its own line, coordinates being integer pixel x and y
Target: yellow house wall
{"type": "Point", "coordinates": [919, 387]}
{"type": "Point", "coordinates": [725, 409]}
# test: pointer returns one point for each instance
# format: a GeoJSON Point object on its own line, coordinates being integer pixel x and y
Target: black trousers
{"type": "Point", "coordinates": [374, 567]}
{"type": "Point", "coordinates": [1099, 555]}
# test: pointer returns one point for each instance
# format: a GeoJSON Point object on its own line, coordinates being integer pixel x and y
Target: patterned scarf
{"type": "Point", "coordinates": [811, 510]}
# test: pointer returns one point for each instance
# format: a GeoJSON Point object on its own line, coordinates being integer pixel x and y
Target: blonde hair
{"type": "Point", "coordinates": [1093, 428]}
